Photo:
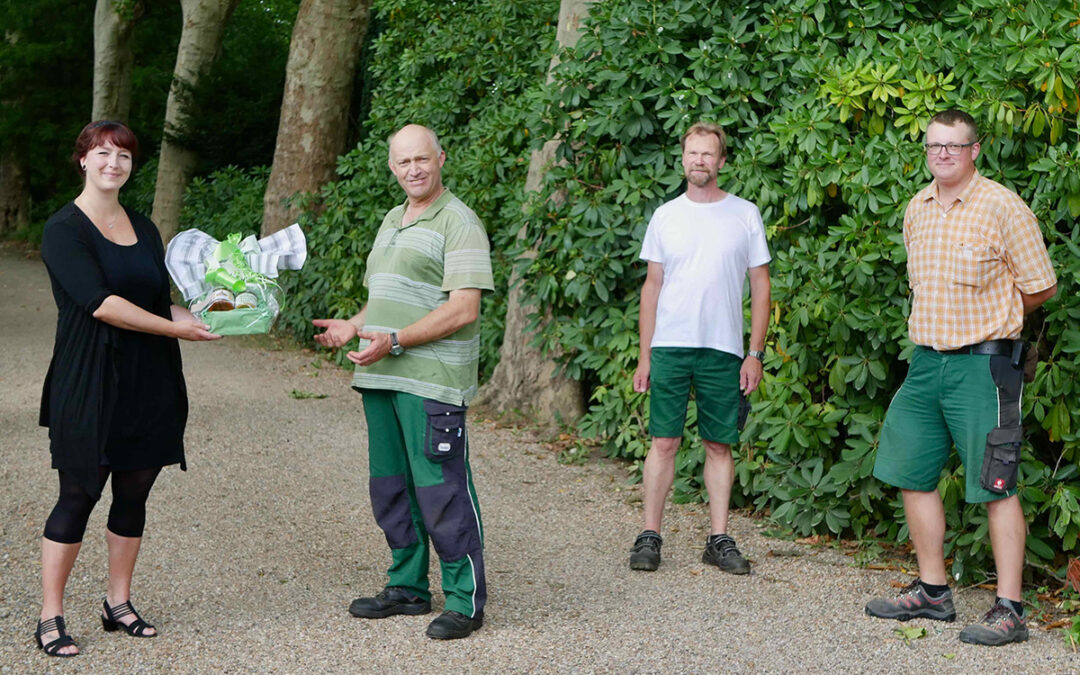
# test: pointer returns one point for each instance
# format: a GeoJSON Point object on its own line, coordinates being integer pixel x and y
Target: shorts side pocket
{"type": "Point", "coordinates": [1001, 460]}
{"type": "Point", "coordinates": [445, 436]}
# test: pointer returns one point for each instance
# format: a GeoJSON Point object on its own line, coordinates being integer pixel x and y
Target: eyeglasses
{"type": "Point", "coordinates": [951, 148]}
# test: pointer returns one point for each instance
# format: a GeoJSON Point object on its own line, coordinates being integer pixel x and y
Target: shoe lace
{"type": "Point", "coordinates": [996, 614]}
{"type": "Point", "coordinates": [910, 589]}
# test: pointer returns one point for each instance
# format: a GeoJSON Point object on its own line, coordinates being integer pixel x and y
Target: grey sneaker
{"type": "Point", "coordinates": [999, 626]}
{"type": "Point", "coordinates": [645, 555]}
{"type": "Point", "coordinates": [721, 551]}
{"type": "Point", "coordinates": [913, 602]}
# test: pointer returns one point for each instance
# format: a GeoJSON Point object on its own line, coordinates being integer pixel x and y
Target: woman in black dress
{"type": "Point", "coordinates": [114, 398]}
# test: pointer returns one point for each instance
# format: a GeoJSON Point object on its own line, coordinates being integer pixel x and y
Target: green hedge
{"type": "Point", "coordinates": [825, 104]}
{"type": "Point", "coordinates": [464, 70]}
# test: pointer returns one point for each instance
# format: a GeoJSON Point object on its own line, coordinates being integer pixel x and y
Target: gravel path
{"type": "Point", "coordinates": [251, 557]}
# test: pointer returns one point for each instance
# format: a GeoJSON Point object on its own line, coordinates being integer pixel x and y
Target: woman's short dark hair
{"type": "Point", "coordinates": [102, 132]}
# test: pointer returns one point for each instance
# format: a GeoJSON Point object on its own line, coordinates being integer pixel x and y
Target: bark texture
{"type": "Point", "coordinates": [14, 193]}
{"type": "Point", "coordinates": [113, 58]}
{"type": "Point", "coordinates": [325, 45]}
{"type": "Point", "coordinates": [525, 380]}
{"type": "Point", "coordinates": [200, 44]}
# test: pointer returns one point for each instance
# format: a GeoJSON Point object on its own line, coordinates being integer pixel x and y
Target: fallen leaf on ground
{"type": "Point", "coordinates": [297, 394]}
{"type": "Point", "coordinates": [909, 633]}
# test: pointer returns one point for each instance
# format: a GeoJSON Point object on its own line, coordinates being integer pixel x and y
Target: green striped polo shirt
{"type": "Point", "coordinates": [411, 271]}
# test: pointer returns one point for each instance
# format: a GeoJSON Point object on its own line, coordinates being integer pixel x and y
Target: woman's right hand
{"type": "Point", "coordinates": [195, 331]}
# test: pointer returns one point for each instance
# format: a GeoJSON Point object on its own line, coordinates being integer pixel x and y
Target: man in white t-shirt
{"type": "Point", "coordinates": [700, 248]}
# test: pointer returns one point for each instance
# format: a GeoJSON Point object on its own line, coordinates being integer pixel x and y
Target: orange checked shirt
{"type": "Point", "coordinates": [968, 263]}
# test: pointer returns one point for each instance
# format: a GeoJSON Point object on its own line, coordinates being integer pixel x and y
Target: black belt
{"type": "Point", "coordinates": [1013, 348]}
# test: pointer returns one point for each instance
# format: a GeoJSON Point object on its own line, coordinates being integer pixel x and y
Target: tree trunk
{"type": "Point", "coordinates": [114, 25]}
{"type": "Point", "coordinates": [14, 193]}
{"type": "Point", "coordinates": [200, 43]}
{"type": "Point", "coordinates": [524, 380]}
{"type": "Point", "coordinates": [325, 45]}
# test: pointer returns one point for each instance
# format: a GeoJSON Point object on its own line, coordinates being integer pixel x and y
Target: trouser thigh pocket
{"type": "Point", "coordinates": [1001, 461]}
{"type": "Point", "coordinates": [445, 436]}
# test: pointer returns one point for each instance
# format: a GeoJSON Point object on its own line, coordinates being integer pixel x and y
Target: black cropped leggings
{"type": "Point", "coordinates": [127, 516]}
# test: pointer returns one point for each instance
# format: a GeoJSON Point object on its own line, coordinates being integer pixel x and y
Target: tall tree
{"type": "Point", "coordinates": [200, 44]}
{"type": "Point", "coordinates": [44, 101]}
{"type": "Point", "coordinates": [525, 378]}
{"type": "Point", "coordinates": [319, 79]}
{"type": "Point", "coordinates": [14, 192]}
{"type": "Point", "coordinates": [14, 184]}
{"type": "Point", "coordinates": [114, 26]}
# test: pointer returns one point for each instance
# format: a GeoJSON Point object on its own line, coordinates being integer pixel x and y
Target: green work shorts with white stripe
{"type": "Point", "coordinates": [948, 399]}
{"type": "Point", "coordinates": [714, 376]}
{"type": "Point", "coordinates": [421, 488]}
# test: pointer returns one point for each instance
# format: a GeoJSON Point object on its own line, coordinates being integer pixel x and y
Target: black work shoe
{"type": "Point", "coordinates": [645, 555]}
{"type": "Point", "coordinates": [390, 601]}
{"type": "Point", "coordinates": [721, 551]}
{"type": "Point", "coordinates": [999, 626]}
{"type": "Point", "coordinates": [452, 625]}
{"type": "Point", "coordinates": [913, 602]}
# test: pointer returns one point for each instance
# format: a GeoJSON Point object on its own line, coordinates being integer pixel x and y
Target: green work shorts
{"type": "Point", "coordinates": [715, 377]}
{"type": "Point", "coordinates": [948, 399]}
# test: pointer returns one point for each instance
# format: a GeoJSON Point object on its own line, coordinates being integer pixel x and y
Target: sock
{"type": "Point", "coordinates": [1013, 605]}
{"type": "Point", "coordinates": [933, 590]}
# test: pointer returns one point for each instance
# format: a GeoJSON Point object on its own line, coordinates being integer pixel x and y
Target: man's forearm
{"type": "Point", "coordinates": [358, 319]}
{"type": "Point", "coordinates": [647, 320]}
{"type": "Point", "coordinates": [760, 301]}
{"type": "Point", "coordinates": [460, 310]}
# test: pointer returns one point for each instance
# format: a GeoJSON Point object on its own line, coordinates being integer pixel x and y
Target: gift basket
{"type": "Point", "coordinates": [229, 285]}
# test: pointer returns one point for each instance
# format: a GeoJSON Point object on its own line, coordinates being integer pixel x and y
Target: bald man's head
{"type": "Point", "coordinates": [410, 129]}
{"type": "Point", "coordinates": [416, 159]}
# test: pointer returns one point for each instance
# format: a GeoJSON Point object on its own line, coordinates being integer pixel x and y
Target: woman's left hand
{"type": "Point", "coordinates": [195, 331]}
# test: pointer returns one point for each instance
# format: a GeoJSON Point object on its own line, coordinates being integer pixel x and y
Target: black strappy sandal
{"type": "Point", "coordinates": [110, 621]}
{"type": "Point", "coordinates": [53, 648]}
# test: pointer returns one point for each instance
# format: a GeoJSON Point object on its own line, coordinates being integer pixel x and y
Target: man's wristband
{"type": "Point", "coordinates": [760, 356]}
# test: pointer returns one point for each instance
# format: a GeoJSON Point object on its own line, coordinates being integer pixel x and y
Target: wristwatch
{"type": "Point", "coordinates": [395, 347]}
{"type": "Point", "coordinates": [760, 356]}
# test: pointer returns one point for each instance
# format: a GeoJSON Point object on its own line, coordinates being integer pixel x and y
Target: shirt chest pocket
{"type": "Point", "coordinates": [973, 263]}
{"type": "Point", "coordinates": [921, 260]}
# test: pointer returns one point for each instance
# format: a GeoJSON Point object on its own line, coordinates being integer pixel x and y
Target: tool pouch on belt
{"type": "Point", "coordinates": [445, 435]}
{"type": "Point", "coordinates": [1002, 459]}
{"type": "Point", "coordinates": [744, 411]}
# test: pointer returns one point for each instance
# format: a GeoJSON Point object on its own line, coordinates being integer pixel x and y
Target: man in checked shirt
{"type": "Point", "coordinates": [976, 265]}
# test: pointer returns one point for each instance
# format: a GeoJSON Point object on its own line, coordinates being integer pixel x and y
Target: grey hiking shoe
{"type": "Point", "coordinates": [720, 550]}
{"type": "Point", "coordinates": [999, 626]}
{"type": "Point", "coordinates": [913, 602]}
{"type": "Point", "coordinates": [645, 555]}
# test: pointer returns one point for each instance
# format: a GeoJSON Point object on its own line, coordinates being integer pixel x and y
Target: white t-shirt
{"type": "Point", "coordinates": [706, 250]}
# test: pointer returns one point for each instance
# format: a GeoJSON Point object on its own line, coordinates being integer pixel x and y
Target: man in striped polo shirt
{"type": "Point", "coordinates": [976, 265]}
{"type": "Point", "coordinates": [416, 367]}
